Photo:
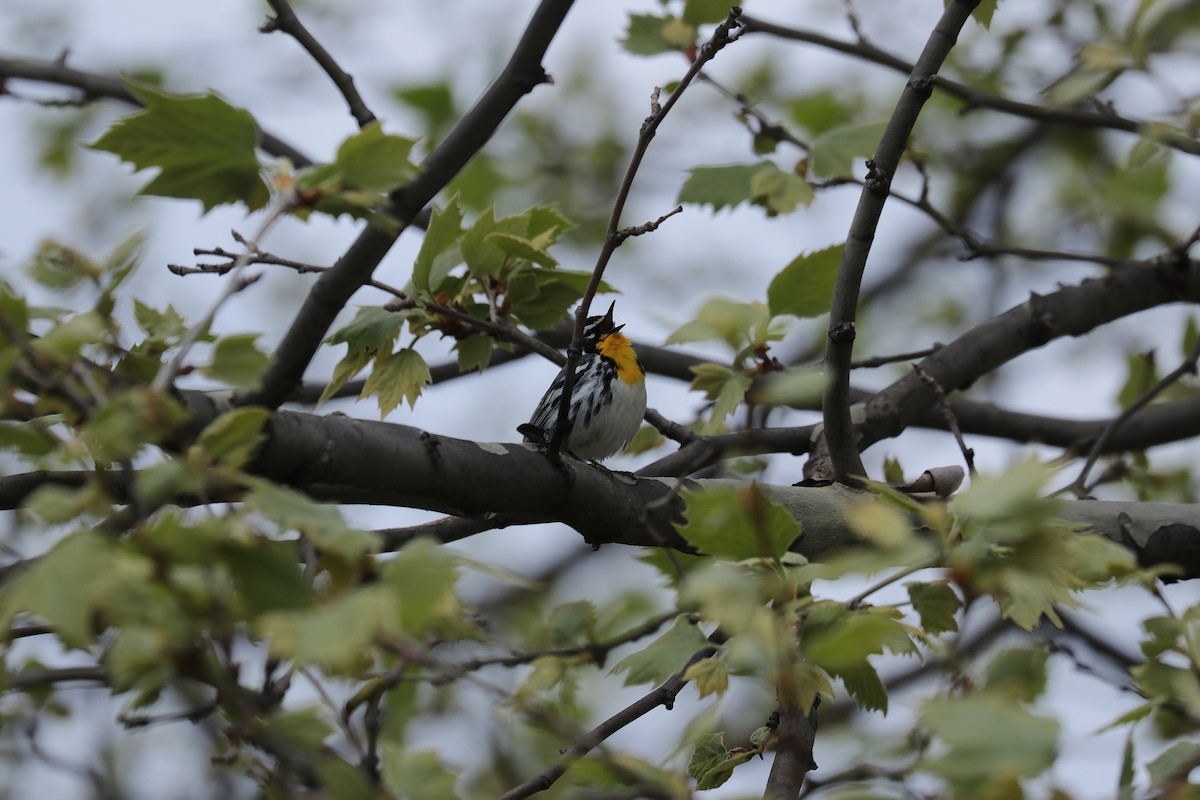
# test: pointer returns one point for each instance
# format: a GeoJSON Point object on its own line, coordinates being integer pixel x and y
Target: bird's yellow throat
{"type": "Point", "coordinates": [619, 350]}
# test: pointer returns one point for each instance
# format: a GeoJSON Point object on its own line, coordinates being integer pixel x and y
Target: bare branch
{"type": "Point", "coordinates": [948, 415]}
{"type": "Point", "coordinates": [972, 97]}
{"type": "Point", "coordinates": [839, 431]}
{"type": "Point", "coordinates": [285, 20]}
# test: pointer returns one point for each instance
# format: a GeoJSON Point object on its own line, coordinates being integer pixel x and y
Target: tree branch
{"type": "Point", "coordinates": [334, 288]}
{"type": "Point", "coordinates": [662, 696]}
{"type": "Point", "coordinates": [839, 431]}
{"type": "Point", "coordinates": [285, 20]}
{"type": "Point", "coordinates": [972, 97]}
{"type": "Point", "coordinates": [795, 736]}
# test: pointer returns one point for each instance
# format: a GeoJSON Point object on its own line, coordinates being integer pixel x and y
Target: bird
{"type": "Point", "coordinates": [608, 400]}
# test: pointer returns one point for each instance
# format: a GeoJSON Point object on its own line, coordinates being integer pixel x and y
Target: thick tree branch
{"type": "Point", "coordinates": [334, 288]}
{"type": "Point", "coordinates": [839, 431]}
{"type": "Point", "coordinates": [1071, 311]}
{"type": "Point", "coordinates": [795, 736]}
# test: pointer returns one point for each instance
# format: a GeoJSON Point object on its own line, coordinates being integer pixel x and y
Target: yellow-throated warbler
{"type": "Point", "coordinates": [607, 402]}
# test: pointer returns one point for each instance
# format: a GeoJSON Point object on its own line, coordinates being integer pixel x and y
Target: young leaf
{"type": "Point", "coordinates": [840, 152]}
{"type": "Point", "coordinates": [988, 737]}
{"type": "Point", "coordinates": [233, 438]}
{"type": "Point", "coordinates": [700, 12]}
{"type": "Point", "coordinates": [439, 252]}
{"type": "Point", "coordinates": [710, 677]}
{"type": "Point", "coordinates": [203, 147]}
{"type": "Point", "coordinates": [735, 524]}
{"type": "Point", "coordinates": [936, 604]}
{"type": "Point", "coordinates": [474, 352]}
{"type": "Point", "coordinates": [237, 362]}
{"type": "Point", "coordinates": [646, 35]}
{"type": "Point", "coordinates": [398, 377]}
{"type": "Point", "coordinates": [374, 160]}
{"type": "Point", "coordinates": [711, 764]}
{"type": "Point", "coordinates": [663, 657]}
{"type": "Point", "coordinates": [777, 191]}
{"type": "Point", "coordinates": [417, 775]}
{"type": "Point", "coordinates": [1019, 672]}
{"type": "Point", "coordinates": [804, 288]}
{"type": "Point", "coordinates": [59, 587]}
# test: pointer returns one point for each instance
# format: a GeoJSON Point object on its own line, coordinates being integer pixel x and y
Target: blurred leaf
{"type": "Point", "coordinates": [710, 677]}
{"type": "Point", "coordinates": [1174, 764]}
{"type": "Point", "coordinates": [59, 267]}
{"type": "Point", "coordinates": [374, 160]}
{"type": "Point", "coordinates": [983, 12]}
{"type": "Point", "coordinates": [936, 604]}
{"type": "Point", "coordinates": [804, 288]}
{"type": "Point", "coordinates": [825, 110]}
{"type": "Point", "coordinates": [734, 524]}
{"type": "Point", "coordinates": [1143, 373]}
{"type": "Point", "coordinates": [1019, 672]}
{"type": "Point", "coordinates": [203, 147]}
{"type": "Point", "coordinates": [59, 587]}
{"type": "Point", "coordinates": [840, 152]}
{"type": "Point", "coordinates": [663, 657]}
{"type": "Point", "coordinates": [268, 576]}
{"type": "Point", "coordinates": [763, 184]}
{"type": "Point", "coordinates": [129, 420]}
{"type": "Point", "coordinates": [63, 342]}
{"type": "Point", "coordinates": [336, 636]}
{"type": "Point", "coordinates": [700, 12]}
{"type": "Point", "coordinates": [724, 386]}
{"type": "Point", "coordinates": [435, 103]}
{"type": "Point", "coordinates": [417, 775]}
{"type": "Point", "coordinates": [397, 377]}
{"type": "Point", "coordinates": [237, 362]}
{"type": "Point", "coordinates": [33, 438]}
{"type": "Point", "coordinates": [988, 738]}
{"type": "Point", "coordinates": [422, 578]}
{"type": "Point", "coordinates": [163, 326]}
{"type": "Point", "coordinates": [234, 437]}
{"type": "Point", "coordinates": [570, 623]}
{"type": "Point", "coordinates": [647, 35]}
{"type": "Point", "coordinates": [291, 510]}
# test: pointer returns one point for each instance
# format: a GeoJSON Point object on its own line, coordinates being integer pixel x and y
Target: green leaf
{"type": "Point", "coordinates": [301, 727]}
{"type": "Point", "coordinates": [936, 604]}
{"type": "Point", "coordinates": [474, 352]}
{"type": "Point", "coordinates": [435, 103]}
{"type": "Point", "coordinates": [422, 578]}
{"type": "Point", "coordinates": [700, 12]}
{"type": "Point", "coordinates": [1019, 672]}
{"type": "Point", "coordinates": [33, 438]}
{"type": "Point", "coordinates": [763, 184]}
{"type": "Point", "coordinates": [571, 622]}
{"type": "Point", "coordinates": [129, 420]}
{"type": "Point", "coordinates": [336, 636]}
{"type": "Point", "coordinates": [268, 576]}
{"type": "Point", "coordinates": [988, 738]}
{"type": "Point", "coordinates": [63, 342]}
{"type": "Point", "coordinates": [60, 587]}
{"type": "Point", "coordinates": [839, 152]}
{"type": "Point", "coordinates": [291, 510]}
{"type": "Point", "coordinates": [864, 685]}
{"type": "Point", "coordinates": [519, 247]}
{"type": "Point", "coordinates": [710, 677]}
{"type": "Point", "coordinates": [804, 288]}
{"type": "Point", "coordinates": [417, 775]}
{"type": "Point", "coordinates": [724, 386]}
{"type": "Point", "coordinates": [162, 326]}
{"type": "Point", "coordinates": [711, 764]}
{"type": "Point", "coordinates": [483, 256]}
{"type": "Point", "coordinates": [839, 640]}
{"type": "Point", "coordinates": [983, 12]}
{"type": "Point", "coordinates": [665, 656]}
{"type": "Point", "coordinates": [397, 377]}
{"type": "Point", "coordinates": [438, 253]}
{"type": "Point", "coordinates": [237, 362]}
{"type": "Point", "coordinates": [374, 160]}
{"type": "Point", "coordinates": [647, 35]}
{"type": "Point", "coordinates": [59, 267]}
{"type": "Point", "coordinates": [1174, 764]}
{"type": "Point", "coordinates": [373, 329]}
{"type": "Point", "coordinates": [203, 147]}
{"type": "Point", "coordinates": [734, 524]}
{"type": "Point", "coordinates": [234, 437]}
{"type": "Point", "coordinates": [779, 192]}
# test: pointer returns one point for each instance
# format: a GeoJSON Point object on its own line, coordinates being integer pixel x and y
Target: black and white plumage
{"type": "Point", "coordinates": [607, 402]}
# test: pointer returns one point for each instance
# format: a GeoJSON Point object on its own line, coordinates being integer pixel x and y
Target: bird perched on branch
{"type": "Point", "coordinates": [607, 402]}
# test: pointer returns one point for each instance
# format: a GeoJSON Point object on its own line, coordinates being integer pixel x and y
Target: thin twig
{"type": "Point", "coordinates": [168, 371]}
{"type": "Point", "coordinates": [662, 696]}
{"type": "Point", "coordinates": [879, 361]}
{"type": "Point", "coordinates": [948, 415]}
{"type": "Point", "coordinates": [722, 36]}
{"type": "Point", "coordinates": [285, 20]}
{"type": "Point", "coordinates": [1186, 367]}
